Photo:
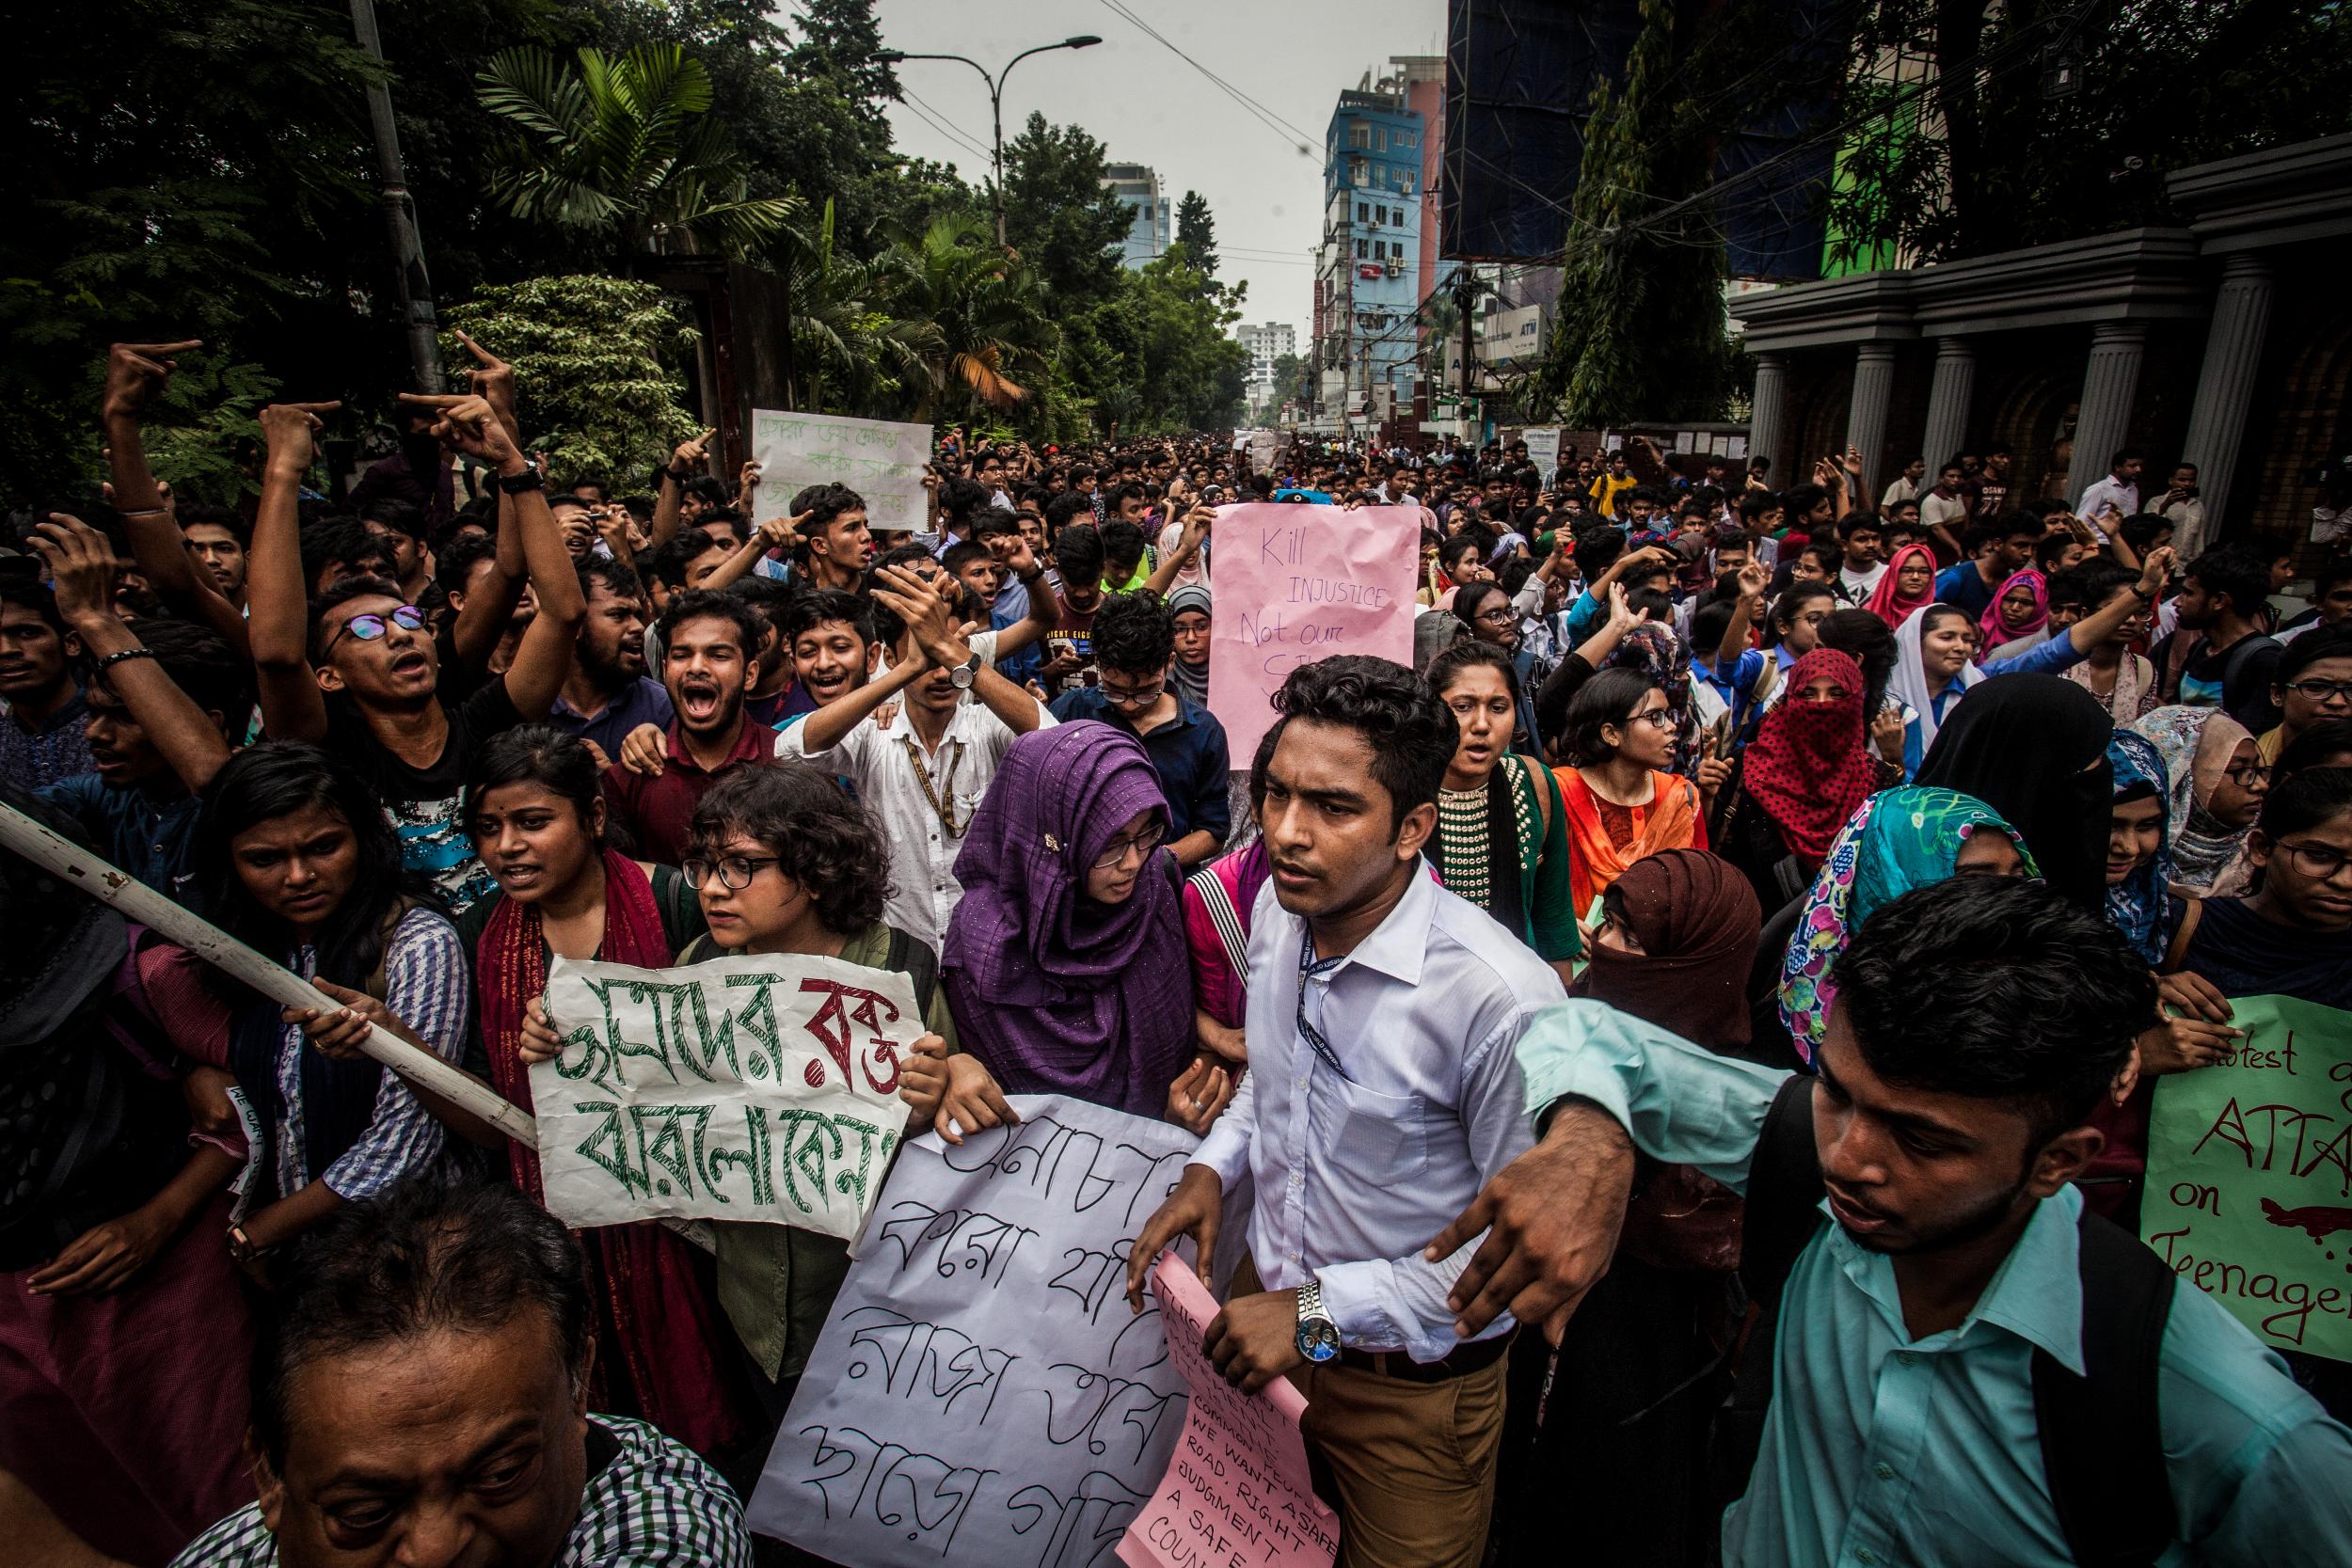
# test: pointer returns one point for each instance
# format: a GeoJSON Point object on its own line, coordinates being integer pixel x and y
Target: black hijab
{"type": "Point", "coordinates": [2034, 748]}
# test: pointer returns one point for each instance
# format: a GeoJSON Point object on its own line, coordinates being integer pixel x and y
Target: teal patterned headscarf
{"type": "Point", "coordinates": [2136, 905]}
{"type": "Point", "coordinates": [1897, 840]}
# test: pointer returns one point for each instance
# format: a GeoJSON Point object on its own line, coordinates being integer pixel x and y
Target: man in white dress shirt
{"type": "Point", "coordinates": [923, 773]}
{"type": "Point", "coordinates": [1383, 1089]}
{"type": "Point", "coordinates": [2119, 489]}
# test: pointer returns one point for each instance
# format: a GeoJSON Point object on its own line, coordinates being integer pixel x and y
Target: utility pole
{"type": "Point", "coordinates": [1464, 288]}
{"type": "Point", "coordinates": [400, 216]}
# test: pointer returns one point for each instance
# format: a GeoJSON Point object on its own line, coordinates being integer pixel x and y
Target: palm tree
{"type": "Point", "coordinates": [625, 146]}
{"type": "Point", "coordinates": [850, 352]}
{"type": "Point", "coordinates": [973, 316]}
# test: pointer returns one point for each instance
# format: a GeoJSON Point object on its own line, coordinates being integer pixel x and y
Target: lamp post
{"type": "Point", "coordinates": [996, 102]}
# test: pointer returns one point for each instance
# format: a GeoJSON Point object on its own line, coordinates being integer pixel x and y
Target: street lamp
{"type": "Point", "coordinates": [996, 102]}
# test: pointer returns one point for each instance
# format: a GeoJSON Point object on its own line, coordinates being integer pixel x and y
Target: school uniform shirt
{"type": "Point", "coordinates": [1360, 1155]}
{"type": "Point", "coordinates": [1880, 1449]}
{"type": "Point", "coordinates": [426, 805]}
{"type": "Point", "coordinates": [2106, 491]}
{"type": "Point", "coordinates": [1188, 753]}
{"type": "Point", "coordinates": [879, 765]}
{"type": "Point", "coordinates": [644, 701]}
{"type": "Point", "coordinates": [648, 1503]}
{"type": "Point", "coordinates": [47, 754]}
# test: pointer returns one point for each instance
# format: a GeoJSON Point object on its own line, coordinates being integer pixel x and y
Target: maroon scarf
{"type": "Point", "coordinates": [661, 1319]}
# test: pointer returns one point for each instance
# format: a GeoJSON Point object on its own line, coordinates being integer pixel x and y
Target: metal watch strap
{"type": "Point", "coordinates": [1311, 1300]}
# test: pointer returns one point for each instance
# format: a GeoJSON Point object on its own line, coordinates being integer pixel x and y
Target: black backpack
{"type": "Point", "coordinates": [2102, 1442]}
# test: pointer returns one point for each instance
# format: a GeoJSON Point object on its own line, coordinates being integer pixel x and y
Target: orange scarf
{"type": "Point", "coordinates": [1669, 821]}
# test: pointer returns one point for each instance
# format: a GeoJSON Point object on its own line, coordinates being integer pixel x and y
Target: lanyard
{"type": "Point", "coordinates": [1309, 965]}
{"type": "Point", "coordinates": [943, 800]}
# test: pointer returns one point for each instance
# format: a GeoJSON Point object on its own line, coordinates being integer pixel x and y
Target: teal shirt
{"type": "Point", "coordinates": [1883, 1450]}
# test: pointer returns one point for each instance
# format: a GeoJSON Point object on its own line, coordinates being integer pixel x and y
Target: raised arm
{"type": "Point", "coordinates": [1197, 525]}
{"type": "Point", "coordinates": [932, 628]}
{"type": "Point", "coordinates": [1744, 614]}
{"type": "Point", "coordinates": [135, 374]}
{"type": "Point", "coordinates": [692, 457]}
{"type": "Point", "coordinates": [1043, 615]}
{"type": "Point", "coordinates": [467, 423]}
{"type": "Point", "coordinates": [2105, 622]}
{"type": "Point", "coordinates": [278, 601]}
{"type": "Point", "coordinates": [768, 536]}
{"type": "Point", "coordinates": [81, 566]}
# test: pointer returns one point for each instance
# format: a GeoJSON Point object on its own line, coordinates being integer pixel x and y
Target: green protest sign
{"type": "Point", "coordinates": [2249, 1175]}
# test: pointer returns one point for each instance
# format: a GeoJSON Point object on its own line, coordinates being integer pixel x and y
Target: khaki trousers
{"type": "Point", "coordinates": [1413, 1463]}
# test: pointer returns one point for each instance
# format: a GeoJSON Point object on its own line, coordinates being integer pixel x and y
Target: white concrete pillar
{"type": "Point", "coordinates": [1768, 422]}
{"type": "Point", "coordinates": [1950, 396]}
{"type": "Point", "coordinates": [1866, 415]}
{"type": "Point", "coordinates": [2225, 388]}
{"type": "Point", "coordinates": [2103, 422]}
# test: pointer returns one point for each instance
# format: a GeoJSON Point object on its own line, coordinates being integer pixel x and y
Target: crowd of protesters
{"type": "Point", "coordinates": [1726, 855]}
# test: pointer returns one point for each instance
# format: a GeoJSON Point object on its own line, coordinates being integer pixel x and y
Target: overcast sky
{"type": "Point", "coordinates": [1145, 106]}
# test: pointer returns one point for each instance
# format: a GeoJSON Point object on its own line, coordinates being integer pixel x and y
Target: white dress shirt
{"type": "Point", "coordinates": [2109, 489]}
{"type": "Point", "coordinates": [1356, 1173]}
{"type": "Point", "coordinates": [923, 887]}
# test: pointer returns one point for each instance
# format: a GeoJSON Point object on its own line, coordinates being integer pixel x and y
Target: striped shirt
{"type": "Point", "coordinates": [650, 1502]}
{"type": "Point", "coordinates": [425, 987]}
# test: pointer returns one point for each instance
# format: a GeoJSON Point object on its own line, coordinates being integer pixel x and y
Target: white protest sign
{"type": "Point", "coordinates": [1262, 452]}
{"type": "Point", "coordinates": [881, 460]}
{"type": "Point", "coordinates": [1296, 583]}
{"type": "Point", "coordinates": [981, 1393]}
{"type": "Point", "coordinates": [744, 1088]}
{"type": "Point", "coordinates": [1543, 449]}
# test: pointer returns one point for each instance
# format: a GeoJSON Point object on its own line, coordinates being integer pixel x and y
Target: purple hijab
{"type": "Point", "coordinates": [1056, 994]}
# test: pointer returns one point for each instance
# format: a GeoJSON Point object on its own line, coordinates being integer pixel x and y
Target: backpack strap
{"type": "Point", "coordinates": [1225, 919]}
{"type": "Point", "coordinates": [2101, 1435]}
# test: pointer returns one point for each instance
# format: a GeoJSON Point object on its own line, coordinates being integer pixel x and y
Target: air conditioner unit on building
{"type": "Point", "coordinates": [1396, 269]}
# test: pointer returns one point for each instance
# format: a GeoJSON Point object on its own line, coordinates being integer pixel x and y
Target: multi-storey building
{"type": "Point", "coordinates": [1138, 186]}
{"type": "Point", "coordinates": [1368, 266]}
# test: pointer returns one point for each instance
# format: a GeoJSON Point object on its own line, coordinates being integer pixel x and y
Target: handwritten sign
{"type": "Point", "coordinates": [882, 461]}
{"type": "Point", "coordinates": [981, 1393]}
{"type": "Point", "coordinates": [1543, 449]}
{"type": "Point", "coordinates": [1238, 1493]}
{"type": "Point", "coordinates": [1296, 583]}
{"type": "Point", "coordinates": [745, 1089]}
{"type": "Point", "coordinates": [2249, 1175]}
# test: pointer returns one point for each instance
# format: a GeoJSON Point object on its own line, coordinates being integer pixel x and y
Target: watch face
{"type": "Point", "coordinates": [1318, 1339]}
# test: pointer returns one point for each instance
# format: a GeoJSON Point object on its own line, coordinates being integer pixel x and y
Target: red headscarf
{"type": "Point", "coordinates": [1887, 600]}
{"type": "Point", "coordinates": [1809, 765]}
{"type": "Point", "coordinates": [1995, 626]}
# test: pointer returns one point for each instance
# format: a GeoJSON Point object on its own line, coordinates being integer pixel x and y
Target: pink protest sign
{"type": "Point", "coordinates": [1293, 584]}
{"type": "Point", "coordinates": [1237, 1493]}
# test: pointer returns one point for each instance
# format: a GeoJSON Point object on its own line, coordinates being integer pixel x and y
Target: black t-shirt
{"type": "Point", "coordinates": [2237, 680]}
{"type": "Point", "coordinates": [427, 806]}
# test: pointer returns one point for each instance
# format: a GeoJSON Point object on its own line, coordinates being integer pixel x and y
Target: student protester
{"type": "Point", "coordinates": [1189, 609]}
{"type": "Point", "coordinates": [2111, 672]}
{"type": "Point", "coordinates": [925, 774]}
{"type": "Point", "coordinates": [162, 699]}
{"type": "Point", "coordinates": [538, 819]}
{"type": "Point", "coordinates": [782, 863]}
{"type": "Point", "coordinates": [1621, 802]}
{"type": "Point", "coordinates": [833, 646]}
{"type": "Point", "coordinates": [1135, 649]}
{"type": "Point", "coordinates": [1502, 836]}
{"type": "Point", "coordinates": [399, 527]}
{"type": "Point", "coordinates": [2292, 935]}
{"type": "Point", "coordinates": [708, 641]}
{"type": "Point", "coordinates": [1995, 551]}
{"type": "Point", "coordinates": [2018, 619]}
{"type": "Point", "coordinates": [307, 868]}
{"type": "Point", "coordinates": [1220, 901]}
{"type": "Point", "coordinates": [1896, 841]}
{"type": "Point", "coordinates": [2034, 749]}
{"type": "Point", "coordinates": [1623, 1438]}
{"type": "Point", "coordinates": [1997, 1015]}
{"type": "Point", "coordinates": [1933, 668]}
{"type": "Point", "coordinates": [1792, 628]}
{"type": "Point", "coordinates": [44, 735]}
{"type": "Point", "coordinates": [2216, 654]}
{"type": "Point", "coordinates": [1906, 587]}
{"type": "Point", "coordinates": [1065, 963]}
{"type": "Point", "coordinates": [357, 669]}
{"type": "Point", "coordinates": [216, 540]}
{"type": "Point", "coordinates": [1395, 1001]}
{"type": "Point", "coordinates": [608, 693]}
{"type": "Point", "coordinates": [111, 1216]}
{"type": "Point", "coordinates": [836, 544]}
{"type": "Point", "coordinates": [2214, 783]}
{"type": "Point", "coordinates": [1493, 619]}
{"type": "Point", "coordinates": [2331, 602]}
{"type": "Point", "coordinates": [772, 687]}
{"type": "Point", "coordinates": [423, 1378]}
{"type": "Point", "coordinates": [1798, 781]}
{"type": "Point", "coordinates": [2313, 687]}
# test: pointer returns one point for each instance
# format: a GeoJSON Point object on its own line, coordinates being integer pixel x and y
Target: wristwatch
{"type": "Point", "coordinates": [240, 1247]}
{"type": "Point", "coordinates": [1318, 1336]}
{"type": "Point", "coordinates": [963, 674]}
{"type": "Point", "coordinates": [532, 478]}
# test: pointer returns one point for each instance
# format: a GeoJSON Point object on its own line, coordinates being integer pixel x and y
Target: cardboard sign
{"type": "Point", "coordinates": [881, 460]}
{"type": "Point", "coordinates": [744, 1088]}
{"type": "Point", "coordinates": [2249, 1175]}
{"type": "Point", "coordinates": [1238, 1493]}
{"type": "Point", "coordinates": [1295, 583]}
{"type": "Point", "coordinates": [980, 1392]}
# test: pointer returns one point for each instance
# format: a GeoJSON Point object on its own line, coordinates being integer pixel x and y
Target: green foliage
{"type": "Point", "coordinates": [627, 146]}
{"type": "Point", "coordinates": [1059, 217]}
{"type": "Point", "coordinates": [1196, 231]}
{"type": "Point", "coordinates": [589, 358]}
{"type": "Point", "coordinates": [1985, 163]}
{"type": "Point", "coordinates": [975, 323]}
{"type": "Point", "coordinates": [1192, 374]}
{"type": "Point", "coordinates": [1640, 332]}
